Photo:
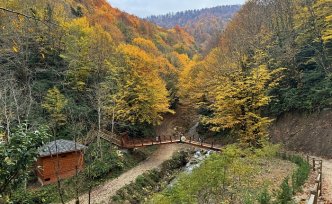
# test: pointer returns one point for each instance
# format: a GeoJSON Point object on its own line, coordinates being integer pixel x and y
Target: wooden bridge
{"type": "Point", "coordinates": [125, 142]}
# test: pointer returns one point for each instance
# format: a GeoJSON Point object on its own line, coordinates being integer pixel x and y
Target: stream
{"type": "Point", "coordinates": [194, 162]}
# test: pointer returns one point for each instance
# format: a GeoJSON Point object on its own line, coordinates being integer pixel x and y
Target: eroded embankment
{"type": "Point", "coordinates": [310, 133]}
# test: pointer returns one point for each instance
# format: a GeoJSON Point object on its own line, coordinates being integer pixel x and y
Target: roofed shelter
{"type": "Point", "coordinates": [60, 158]}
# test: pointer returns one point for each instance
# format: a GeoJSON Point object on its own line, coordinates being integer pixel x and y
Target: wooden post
{"type": "Point", "coordinates": [170, 138]}
{"type": "Point", "coordinates": [142, 142]}
{"type": "Point", "coordinates": [313, 164]}
{"type": "Point", "coordinates": [314, 192]}
{"type": "Point", "coordinates": [311, 199]}
{"type": "Point", "coordinates": [321, 183]}
{"type": "Point", "coordinates": [318, 184]}
{"type": "Point", "coordinates": [319, 187]}
{"type": "Point", "coordinates": [190, 140]}
{"type": "Point", "coordinates": [321, 177]}
{"type": "Point", "coordinates": [212, 145]}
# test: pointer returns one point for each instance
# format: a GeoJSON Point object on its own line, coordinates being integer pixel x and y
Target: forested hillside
{"type": "Point", "coordinates": [206, 25]}
{"type": "Point", "coordinates": [81, 64]}
{"type": "Point", "coordinates": [71, 69]}
{"type": "Point", "coordinates": [273, 57]}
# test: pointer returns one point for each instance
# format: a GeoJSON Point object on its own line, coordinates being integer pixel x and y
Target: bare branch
{"type": "Point", "coordinates": [26, 16]}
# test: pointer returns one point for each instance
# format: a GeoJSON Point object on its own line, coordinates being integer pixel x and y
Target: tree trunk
{"type": "Point", "coordinates": [113, 116]}
{"type": "Point", "coordinates": [99, 128]}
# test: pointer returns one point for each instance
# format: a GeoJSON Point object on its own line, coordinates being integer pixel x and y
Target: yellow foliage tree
{"type": "Point", "coordinates": [77, 40]}
{"type": "Point", "coordinates": [237, 102]}
{"type": "Point", "coordinates": [54, 103]}
{"type": "Point", "coordinates": [323, 8]}
{"type": "Point", "coordinates": [142, 96]}
{"type": "Point", "coordinates": [199, 77]}
{"type": "Point", "coordinates": [146, 45]}
{"type": "Point", "coordinates": [89, 51]}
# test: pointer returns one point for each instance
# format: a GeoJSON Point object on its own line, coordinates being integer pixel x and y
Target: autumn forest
{"type": "Point", "coordinates": [71, 70]}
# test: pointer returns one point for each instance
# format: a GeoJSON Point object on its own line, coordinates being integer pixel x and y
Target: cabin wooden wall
{"type": "Point", "coordinates": [65, 164]}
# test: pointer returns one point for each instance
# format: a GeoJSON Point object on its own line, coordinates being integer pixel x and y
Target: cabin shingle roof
{"type": "Point", "coordinates": [60, 147]}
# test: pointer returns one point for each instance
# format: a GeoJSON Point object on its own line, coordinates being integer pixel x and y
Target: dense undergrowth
{"type": "Point", "coordinates": [97, 171]}
{"type": "Point", "coordinates": [298, 178]}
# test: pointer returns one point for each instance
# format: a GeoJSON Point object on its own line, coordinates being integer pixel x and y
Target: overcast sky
{"type": "Point", "coordinates": [144, 8]}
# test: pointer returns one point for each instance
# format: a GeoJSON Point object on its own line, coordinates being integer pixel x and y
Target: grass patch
{"type": "Point", "coordinates": [229, 177]}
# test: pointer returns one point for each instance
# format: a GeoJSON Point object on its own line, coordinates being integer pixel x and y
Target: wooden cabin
{"type": "Point", "coordinates": [59, 159]}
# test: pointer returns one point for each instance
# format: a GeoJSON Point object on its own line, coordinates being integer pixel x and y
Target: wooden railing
{"type": "Point", "coordinates": [160, 140]}
{"type": "Point", "coordinates": [125, 142]}
{"type": "Point", "coordinates": [199, 142]}
{"type": "Point", "coordinates": [316, 191]}
{"type": "Point", "coordinates": [141, 142]}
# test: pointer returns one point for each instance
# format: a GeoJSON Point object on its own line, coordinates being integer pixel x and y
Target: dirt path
{"type": "Point", "coordinates": [103, 193]}
{"type": "Point", "coordinates": [327, 181]}
{"type": "Point", "coordinates": [326, 198]}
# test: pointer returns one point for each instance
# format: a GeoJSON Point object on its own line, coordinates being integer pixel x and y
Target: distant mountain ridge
{"type": "Point", "coordinates": [204, 24]}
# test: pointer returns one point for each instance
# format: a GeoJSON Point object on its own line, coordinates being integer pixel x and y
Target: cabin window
{"type": "Point", "coordinates": [48, 179]}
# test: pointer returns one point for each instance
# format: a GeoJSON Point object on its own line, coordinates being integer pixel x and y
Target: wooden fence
{"type": "Point", "coordinates": [316, 191]}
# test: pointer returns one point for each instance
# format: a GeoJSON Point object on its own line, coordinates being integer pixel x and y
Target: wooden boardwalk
{"type": "Point", "coordinates": [130, 143]}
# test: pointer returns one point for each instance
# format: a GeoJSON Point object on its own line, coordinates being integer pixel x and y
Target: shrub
{"type": "Point", "coordinates": [267, 150]}
{"type": "Point", "coordinates": [264, 197]}
{"type": "Point", "coordinates": [285, 194]}
{"type": "Point", "coordinates": [155, 175]}
{"type": "Point", "coordinates": [301, 174]}
{"type": "Point", "coordinates": [143, 181]}
{"type": "Point", "coordinates": [178, 160]}
{"type": "Point", "coordinates": [35, 197]}
{"type": "Point", "coordinates": [98, 167]}
{"type": "Point", "coordinates": [248, 199]}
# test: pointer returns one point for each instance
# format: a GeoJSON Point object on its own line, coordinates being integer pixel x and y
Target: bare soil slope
{"type": "Point", "coordinates": [310, 133]}
{"type": "Point", "coordinates": [180, 122]}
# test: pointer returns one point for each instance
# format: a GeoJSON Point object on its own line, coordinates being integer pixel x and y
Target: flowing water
{"type": "Point", "coordinates": [196, 160]}
{"type": "Point", "coordinates": [193, 131]}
